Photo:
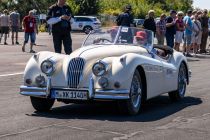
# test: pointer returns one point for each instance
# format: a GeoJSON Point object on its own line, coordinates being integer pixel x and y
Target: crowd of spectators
{"type": "Point", "coordinates": [190, 29]}
{"type": "Point", "coordinates": [187, 33]}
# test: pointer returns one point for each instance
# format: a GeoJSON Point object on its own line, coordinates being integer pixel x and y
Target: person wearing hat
{"type": "Point", "coordinates": [125, 18]}
{"type": "Point", "coordinates": [140, 38]}
{"type": "Point", "coordinates": [4, 24]}
{"type": "Point", "coordinates": [179, 30]}
{"type": "Point", "coordinates": [149, 22]}
{"type": "Point", "coordinates": [171, 28]}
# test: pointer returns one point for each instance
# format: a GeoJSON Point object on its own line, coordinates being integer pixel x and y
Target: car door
{"type": "Point", "coordinates": [78, 23]}
{"type": "Point", "coordinates": [154, 75]}
{"type": "Point", "coordinates": [169, 75]}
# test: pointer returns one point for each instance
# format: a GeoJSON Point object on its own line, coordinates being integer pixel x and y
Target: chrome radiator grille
{"type": "Point", "coordinates": [75, 70]}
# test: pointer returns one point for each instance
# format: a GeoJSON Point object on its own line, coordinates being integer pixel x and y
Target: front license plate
{"type": "Point", "coordinates": [63, 94]}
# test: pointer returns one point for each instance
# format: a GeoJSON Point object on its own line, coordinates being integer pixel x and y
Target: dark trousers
{"type": "Point", "coordinates": [62, 37]}
{"type": "Point", "coordinates": [170, 39]}
{"type": "Point", "coordinates": [204, 39]}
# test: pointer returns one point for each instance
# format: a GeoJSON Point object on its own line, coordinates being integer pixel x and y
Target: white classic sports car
{"type": "Point", "coordinates": [119, 63]}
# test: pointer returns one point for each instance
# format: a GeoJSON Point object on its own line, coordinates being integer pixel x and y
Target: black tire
{"type": "Point", "coordinates": [42, 104]}
{"type": "Point", "coordinates": [182, 84]}
{"type": "Point", "coordinates": [87, 29]}
{"type": "Point", "coordinates": [129, 106]}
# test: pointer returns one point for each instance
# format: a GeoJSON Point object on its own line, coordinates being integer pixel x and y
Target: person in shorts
{"type": "Point", "coordinates": [4, 23]}
{"type": "Point", "coordinates": [179, 30]}
{"type": "Point", "coordinates": [197, 29]}
{"type": "Point", "coordinates": [188, 33]}
{"type": "Point", "coordinates": [15, 24]}
{"type": "Point", "coordinates": [29, 24]}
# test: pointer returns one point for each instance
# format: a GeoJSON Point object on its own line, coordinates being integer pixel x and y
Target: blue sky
{"type": "Point", "coordinates": [203, 4]}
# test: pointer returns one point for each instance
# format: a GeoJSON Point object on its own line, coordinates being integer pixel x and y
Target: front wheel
{"type": "Point", "coordinates": [133, 105]}
{"type": "Point", "coordinates": [182, 84]}
{"type": "Point", "coordinates": [42, 104]}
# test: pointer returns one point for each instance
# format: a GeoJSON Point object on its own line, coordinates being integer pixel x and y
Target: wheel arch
{"type": "Point", "coordinates": [143, 76]}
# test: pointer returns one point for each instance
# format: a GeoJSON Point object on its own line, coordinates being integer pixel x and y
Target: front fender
{"type": "Point", "coordinates": [32, 69]}
{"type": "Point", "coordinates": [123, 67]}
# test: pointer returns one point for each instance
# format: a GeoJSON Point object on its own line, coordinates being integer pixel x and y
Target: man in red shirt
{"type": "Point", "coordinates": [29, 24]}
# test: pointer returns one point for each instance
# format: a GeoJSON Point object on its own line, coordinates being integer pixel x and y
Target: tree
{"type": "Point", "coordinates": [84, 7]}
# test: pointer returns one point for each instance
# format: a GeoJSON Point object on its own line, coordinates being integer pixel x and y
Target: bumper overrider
{"type": "Point", "coordinates": [91, 92]}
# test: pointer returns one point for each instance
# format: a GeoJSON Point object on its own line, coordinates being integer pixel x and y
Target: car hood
{"type": "Point", "coordinates": [99, 51]}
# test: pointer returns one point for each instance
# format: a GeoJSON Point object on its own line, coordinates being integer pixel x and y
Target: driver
{"type": "Point", "coordinates": [140, 38]}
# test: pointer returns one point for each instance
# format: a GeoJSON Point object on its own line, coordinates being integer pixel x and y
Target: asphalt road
{"type": "Point", "coordinates": [159, 118]}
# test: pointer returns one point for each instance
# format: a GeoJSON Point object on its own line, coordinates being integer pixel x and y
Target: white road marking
{"type": "Point", "coordinates": [11, 74]}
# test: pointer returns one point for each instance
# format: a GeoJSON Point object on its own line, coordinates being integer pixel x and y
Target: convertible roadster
{"type": "Point", "coordinates": [120, 64]}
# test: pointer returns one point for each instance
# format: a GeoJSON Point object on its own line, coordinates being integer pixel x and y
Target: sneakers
{"type": "Point", "coordinates": [5, 43]}
{"type": "Point", "coordinates": [17, 43]}
{"type": "Point", "coordinates": [32, 51]}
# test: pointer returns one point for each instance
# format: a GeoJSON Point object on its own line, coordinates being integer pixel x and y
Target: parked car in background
{"type": "Point", "coordinates": [85, 23]}
{"type": "Point", "coordinates": [139, 22]}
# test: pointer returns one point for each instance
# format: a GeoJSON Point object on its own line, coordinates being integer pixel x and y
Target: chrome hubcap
{"type": "Point", "coordinates": [136, 91]}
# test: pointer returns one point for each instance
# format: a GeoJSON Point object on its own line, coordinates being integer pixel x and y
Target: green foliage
{"type": "Point", "coordinates": [84, 7]}
{"type": "Point", "coordinates": [94, 7]}
{"type": "Point", "coordinates": [141, 7]}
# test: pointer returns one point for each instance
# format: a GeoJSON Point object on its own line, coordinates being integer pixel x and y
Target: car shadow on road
{"type": "Point", "coordinates": [153, 110]}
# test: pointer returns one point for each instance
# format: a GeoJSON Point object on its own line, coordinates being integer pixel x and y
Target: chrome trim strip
{"type": "Point", "coordinates": [113, 91]}
{"type": "Point", "coordinates": [38, 94]}
{"type": "Point", "coordinates": [33, 91]}
{"type": "Point", "coordinates": [98, 94]}
{"type": "Point", "coordinates": [112, 94]}
{"type": "Point", "coordinates": [110, 97]}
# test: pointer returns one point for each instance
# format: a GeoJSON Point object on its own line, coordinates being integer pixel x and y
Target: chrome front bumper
{"type": "Point", "coordinates": [92, 93]}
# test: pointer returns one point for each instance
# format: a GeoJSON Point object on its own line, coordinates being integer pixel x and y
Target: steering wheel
{"type": "Point", "coordinates": [98, 40]}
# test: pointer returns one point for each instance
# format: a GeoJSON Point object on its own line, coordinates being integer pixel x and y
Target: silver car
{"type": "Point", "coordinates": [85, 23]}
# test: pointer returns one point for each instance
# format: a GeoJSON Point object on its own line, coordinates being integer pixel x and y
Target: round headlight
{"type": "Point", "coordinates": [99, 68]}
{"type": "Point", "coordinates": [47, 67]}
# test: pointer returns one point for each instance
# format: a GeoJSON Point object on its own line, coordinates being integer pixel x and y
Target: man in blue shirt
{"type": "Point", "coordinates": [188, 32]}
